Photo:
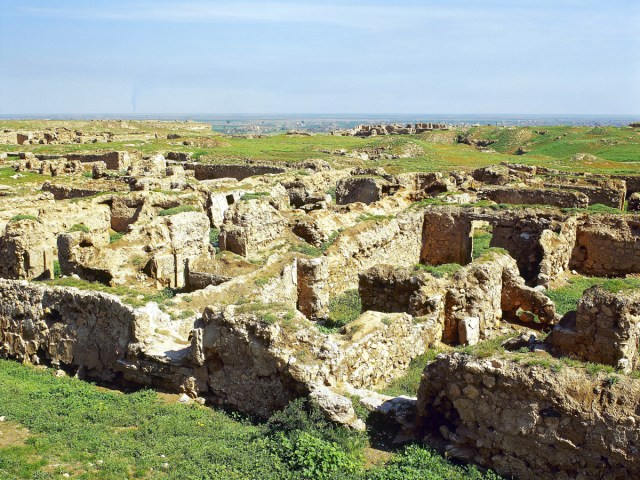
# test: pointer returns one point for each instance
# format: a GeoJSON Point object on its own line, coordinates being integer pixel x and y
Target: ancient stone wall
{"type": "Point", "coordinates": [359, 189]}
{"type": "Point", "coordinates": [530, 422]}
{"type": "Point", "coordinates": [65, 326]}
{"type": "Point", "coordinates": [605, 191]}
{"type": "Point", "coordinates": [607, 246]}
{"type": "Point", "coordinates": [237, 171]}
{"type": "Point", "coordinates": [250, 226]}
{"type": "Point", "coordinates": [536, 196]}
{"type": "Point", "coordinates": [112, 160]}
{"type": "Point", "coordinates": [385, 288]}
{"type": "Point", "coordinates": [27, 249]}
{"type": "Point", "coordinates": [446, 237]}
{"type": "Point", "coordinates": [557, 247]}
{"type": "Point", "coordinates": [605, 329]}
{"type": "Point", "coordinates": [398, 243]}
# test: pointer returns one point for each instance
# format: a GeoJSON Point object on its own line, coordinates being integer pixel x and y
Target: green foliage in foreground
{"type": "Point", "coordinates": [92, 433]}
{"type": "Point", "coordinates": [176, 210]}
{"type": "Point", "coordinates": [567, 297]}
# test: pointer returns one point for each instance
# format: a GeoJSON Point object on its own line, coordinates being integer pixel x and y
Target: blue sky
{"type": "Point", "coordinates": [455, 56]}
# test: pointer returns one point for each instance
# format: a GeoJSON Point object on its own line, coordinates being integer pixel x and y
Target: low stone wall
{"type": "Point", "coordinates": [537, 196]}
{"type": "Point", "coordinates": [65, 192]}
{"type": "Point", "coordinates": [66, 326]}
{"type": "Point", "coordinates": [112, 160]}
{"type": "Point", "coordinates": [609, 192]}
{"type": "Point", "coordinates": [385, 288]}
{"type": "Point", "coordinates": [446, 237]}
{"type": "Point", "coordinates": [398, 242]}
{"type": "Point", "coordinates": [258, 367]}
{"type": "Point", "coordinates": [605, 329]}
{"type": "Point", "coordinates": [530, 422]}
{"type": "Point", "coordinates": [237, 171]}
{"type": "Point", "coordinates": [607, 246]}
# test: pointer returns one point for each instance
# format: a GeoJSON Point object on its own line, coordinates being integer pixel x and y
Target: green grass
{"type": "Point", "coordinates": [408, 384]}
{"type": "Point", "coordinates": [175, 210]}
{"type": "Point", "coordinates": [17, 218]}
{"type": "Point", "coordinates": [439, 271]}
{"type": "Point", "coordinates": [93, 433]}
{"type": "Point", "coordinates": [481, 242]}
{"type": "Point", "coordinates": [79, 227]}
{"type": "Point", "coordinates": [567, 297]}
{"type": "Point", "coordinates": [343, 309]}
{"type": "Point", "coordinates": [128, 295]}
{"type": "Point", "coordinates": [23, 177]}
{"type": "Point", "coordinates": [115, 236]}
{"type": "Point", "coordinates": [255, 196]}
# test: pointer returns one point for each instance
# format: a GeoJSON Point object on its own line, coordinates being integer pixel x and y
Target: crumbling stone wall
{"type": "Point", "coordinates": [557, 246]}
{"type": "Point", "coordinates": [113, 160]}
{"type": "Point", "coordinates": [27, 250]}
{"type": "Point", "coordinates": [607, 246]}
{"type": "Point", "coordinates": [250, 226]}
{"type": "Point", "coordinates": [65, 326]}
{"type": "Point", "coordinates": [605, 191]}
{"type": "Point", "coordinates": [237, 171]}
{"type": "Point", "coordinates": [385, 288]}
{"type": "Point", "coordinates": [313, 293]}
{"type": "Point", "coordinates": [446, 237]}
{"type": "Point", "coordinates": [360, 189]}
{"type": "Point", "coordinates": [605, 329]}
{"type": "Point", "coordinates": [397, 241]}
{"type": "Point", "coordinates": [536, 196]}
{"type": "Point", "coordinates": [530, 422]}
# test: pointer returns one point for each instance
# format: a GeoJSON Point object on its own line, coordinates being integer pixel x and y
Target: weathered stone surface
{"type": "Point", "coordinates": [607, 246]}
{"type": "Point", "coordinates": [250, 226]}
{"type": "Point", "coordinates": [532, 196]}
{"type": "Point", "coordinates": [27, 250]}
{"type": "Point", "coordinates": [313, 292]}
{"type": "Point", "coordinates": [530, 422]}
{"type": "Point", "coordinates": [605, 329]}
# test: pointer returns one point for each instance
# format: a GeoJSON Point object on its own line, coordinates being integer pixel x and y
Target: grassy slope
{"type": "Point", "coordinates": [90, 433]}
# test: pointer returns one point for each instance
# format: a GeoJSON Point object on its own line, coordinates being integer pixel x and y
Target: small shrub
{"type": "Point", "coordinates": [79, 227]}
{"type": "Point", "coordinates": [57, 271]}
{"type": "Point", "coordinates": [214, 236]}
{"type": "Point", "coordinates": [17, 218]}
{"type": "Point", "coordinates": [344, 308]}
{"type": "Point", "coordinates": [175, 210]}
{"type": "Point", "coordinates": [115, 236]}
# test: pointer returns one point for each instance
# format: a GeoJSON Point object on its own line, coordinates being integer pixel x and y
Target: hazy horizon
{"type": "Point", "coordinates": [275, 57]}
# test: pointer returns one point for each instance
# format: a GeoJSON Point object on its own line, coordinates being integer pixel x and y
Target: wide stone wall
{"type": "Point", "coordinates": [530, 422]}
{"type": "Point", "coordinates": [65, 326]}
{"type": "Point", "coordinates": [398, 242]}
{"type": "Point", "coordinates": [237, 171]}
{"type": "Point", "coordinates": [607, 246]}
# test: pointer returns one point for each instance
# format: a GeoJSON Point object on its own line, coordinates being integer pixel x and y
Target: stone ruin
{"type": "Point", "coordinates": [254, 255]}
{"type": "Point", "coordinates": [392, 129]}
